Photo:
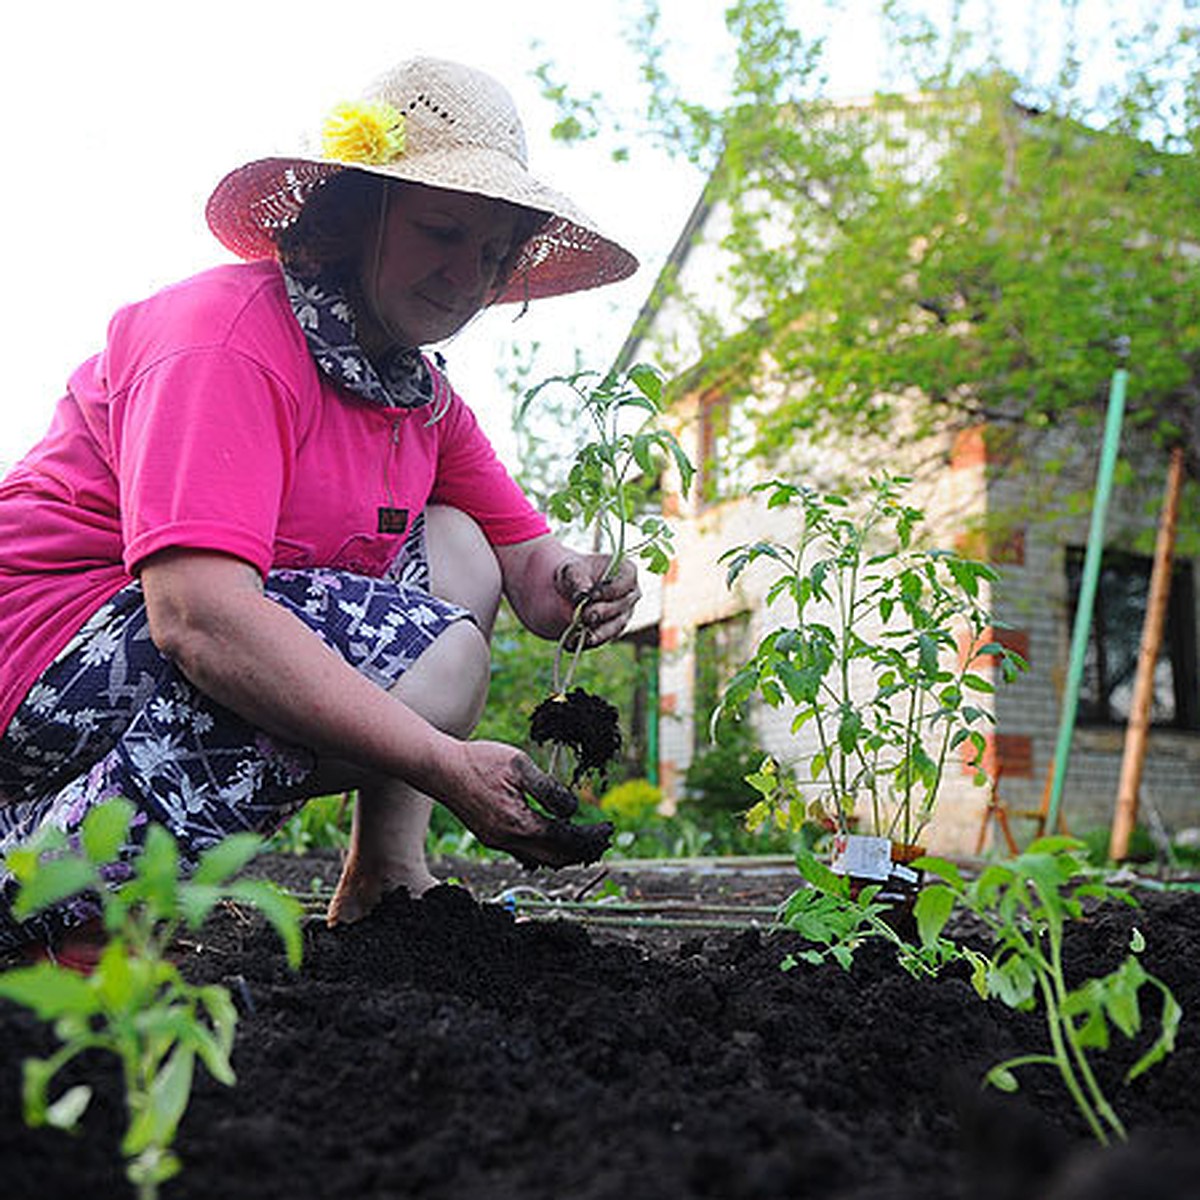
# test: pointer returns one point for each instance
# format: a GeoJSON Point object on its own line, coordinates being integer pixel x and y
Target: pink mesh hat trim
{"type": "Point", "coordinates": [462, 133]}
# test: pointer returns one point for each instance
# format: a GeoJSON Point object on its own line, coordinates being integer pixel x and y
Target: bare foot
{"type": "Point", "coordinates": [361, 888]}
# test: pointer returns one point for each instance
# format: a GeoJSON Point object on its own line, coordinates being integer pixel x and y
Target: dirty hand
{"type": "Point", "coordinates": [490, 798]}
{"type": "Point", "coordinates": [607, 605]}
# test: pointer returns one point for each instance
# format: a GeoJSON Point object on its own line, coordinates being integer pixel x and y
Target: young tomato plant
{"type": "Point", "coordinates": [1025, 904]}
{"type": "Point", "coordinates": [135, 1004]}
{"type": "Point", "coordinates": [606, 492]}
{"type": "Point", "coordinates": [838, 923]}
{"type": "Point", "coordinates": [863, 660]}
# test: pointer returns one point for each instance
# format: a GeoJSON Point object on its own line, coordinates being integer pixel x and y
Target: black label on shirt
{"type": "Point", "coordinates": [393, 520]}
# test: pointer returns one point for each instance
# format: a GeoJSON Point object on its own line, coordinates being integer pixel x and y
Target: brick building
{"type": "Point", "coordinates": [991, 496]}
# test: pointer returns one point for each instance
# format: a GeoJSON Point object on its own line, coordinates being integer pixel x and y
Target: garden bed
{"type": "Point", "coordinates": [453, 1048]}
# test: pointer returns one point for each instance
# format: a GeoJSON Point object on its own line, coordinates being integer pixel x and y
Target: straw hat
{"type": "Point", "coordinates": [436, 123]}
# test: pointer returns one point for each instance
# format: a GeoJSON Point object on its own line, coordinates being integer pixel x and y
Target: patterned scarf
{"type": "Point", "coordinates": [401, 380]}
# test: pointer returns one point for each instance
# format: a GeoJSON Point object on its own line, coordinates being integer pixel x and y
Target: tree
{"type": "Point", "coordinates": [985, 241]}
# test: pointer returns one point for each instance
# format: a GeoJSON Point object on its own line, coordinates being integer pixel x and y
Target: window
{"type": "Point", "coordinates": [727, 433]}
{"type": "Point", "coordinates": [1110, 664]}
{"type": "Point", "coordinates": [720, 647]}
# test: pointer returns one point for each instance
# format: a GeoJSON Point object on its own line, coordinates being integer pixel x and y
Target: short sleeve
{"type": "Point", "coordinates": [203, 445]}
{"type": "Point", "coordinates": [471, 477]}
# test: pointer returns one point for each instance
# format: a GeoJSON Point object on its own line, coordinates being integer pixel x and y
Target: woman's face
{"type": "Point", "coordinates": [435, 264]}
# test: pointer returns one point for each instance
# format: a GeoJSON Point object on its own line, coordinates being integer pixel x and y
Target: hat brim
{"type": "Point", "coordinates": [568, 254]}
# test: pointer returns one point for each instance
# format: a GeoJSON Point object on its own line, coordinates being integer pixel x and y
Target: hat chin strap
{"type": "Point", "coordinates": [368, 290]}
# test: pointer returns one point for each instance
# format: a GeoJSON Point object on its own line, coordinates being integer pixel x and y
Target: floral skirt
{"type": "Point", "coordinates": [112, 717]}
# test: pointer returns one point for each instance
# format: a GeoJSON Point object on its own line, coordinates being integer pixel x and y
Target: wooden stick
{"type": "Point", "coordinates": [1137, 729]}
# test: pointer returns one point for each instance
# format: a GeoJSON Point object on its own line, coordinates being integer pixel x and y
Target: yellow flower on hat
{"type": "Point", "coordinates": [363, 131]}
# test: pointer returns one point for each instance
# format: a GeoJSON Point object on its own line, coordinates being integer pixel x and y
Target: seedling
{"type": "Point", "coordinates": [1025, 903]}
{"type": "Point", "coordinates": [135, 1004]}
{"type": "Point", "coordinates": [605, 492]}
{"type": "Point", "coordinates": [863, 660]}
{"type": "Point", "coordinates": [838, 923]}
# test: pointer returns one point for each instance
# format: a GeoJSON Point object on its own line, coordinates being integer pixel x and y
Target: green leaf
{"type": "Point", "coordinates": [65, 1112]}
{"type": "Point", "coordinates": [196, 901]}
{"type": "Point", "coordinates": [1088, 1002]}
{"type": "Point", "coordinates": [1121, 996]}
{"type": "Point", "coordinates": [819, 875]}
{"type": "Point", "coordinates": [977, 683]}
{"type": "Point", "coordinates": [1164, 1044]}
{"type": "Point", "coordinates": [214, 1056]}
{"type": "Point", "coordinates": [1012, 981]}
{"type": "Point", "coordinates": [156, 873]}
{"type": "Point", "coordinates": [218, 863]}
{"type": "Point", "coordinates": [283, 911]}
{"type": "Point", "coordinates": [24, 860]}
{"type": "Point", "coordinates": [980, 968]}
{"type": "Point", "coordinates": [105, 830]}
{"type": "Point", "coordinates": [49, 990]}
{"type": "Point", "coordinates": [113, 978]}
{"type": "Point", "coordinates": [217, 1003]}
{"type": "Point", "coordinates": [54, 880]}
{"type": "Point", "coordinates": [165, 1103]}
{"type": "Point", "coordinates": [932, 910]}
{"type": "Point", "coordinates": [647, 380]}
{"type": "Point", "coordinates": [943, 868]}
{"type": "Point", "coordinates": [1002, 1079]}
{"type": "Point", "coordinates": [849, 729]}
{"type": "Point", "coordinates": [927, 655]}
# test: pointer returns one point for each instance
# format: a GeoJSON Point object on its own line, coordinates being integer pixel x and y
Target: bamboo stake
{"type": "Point", "coordinates": [1137, 728]}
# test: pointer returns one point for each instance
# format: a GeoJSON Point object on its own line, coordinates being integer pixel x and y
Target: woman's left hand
{"type": "Point", "coordinates": [607, 605]}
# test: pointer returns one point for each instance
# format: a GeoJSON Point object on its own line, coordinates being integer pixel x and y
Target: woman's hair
{"type": "Point", "coordinates": [328, 236]}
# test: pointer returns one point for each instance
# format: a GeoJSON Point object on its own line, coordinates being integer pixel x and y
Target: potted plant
{"type": "Point", "coordinates": [605, 492]}
{"type": "Point", "coordinates": [878, 660]}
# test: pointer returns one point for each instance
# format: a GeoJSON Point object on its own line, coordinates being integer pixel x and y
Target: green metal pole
{"type": "Point", "coordinates": [1087, 592]}
{"type": "Point", "coordinates": [652, 717]}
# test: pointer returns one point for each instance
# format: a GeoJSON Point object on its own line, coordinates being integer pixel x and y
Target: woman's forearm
{"type": "Point", "coordinates": [209, 615]}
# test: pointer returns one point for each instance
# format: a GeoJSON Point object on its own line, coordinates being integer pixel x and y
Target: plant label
{"type": "Point", "coordinates": [862, 856]}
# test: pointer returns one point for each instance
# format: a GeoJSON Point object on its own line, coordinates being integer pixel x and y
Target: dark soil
{"type": "Point", "coordinates": [587, 724]}
{"type": "Point", "coordinates": [448, 1049]}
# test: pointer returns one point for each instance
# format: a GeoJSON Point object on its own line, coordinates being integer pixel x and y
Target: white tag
{"type": "Point", "coordinates": [862, 856]}
{"type": "Point", "coordinates": [900, 871]}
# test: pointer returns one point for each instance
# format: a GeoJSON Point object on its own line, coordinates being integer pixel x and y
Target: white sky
{"type": "Point", "coordinates": [121, 115]}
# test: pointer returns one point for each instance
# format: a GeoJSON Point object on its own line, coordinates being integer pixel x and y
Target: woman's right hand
{"type": "Point", "coordinates": [488, 791]}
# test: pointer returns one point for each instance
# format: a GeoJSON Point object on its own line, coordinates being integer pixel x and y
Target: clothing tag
{"type": "Point", "coordinates": [392, 520]}
{"type": "Point", "coordinates": [863, 857]}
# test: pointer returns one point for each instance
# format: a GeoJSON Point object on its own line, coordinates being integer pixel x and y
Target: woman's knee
{"type": "Point", "coordinates": [448, 684]}
{"type": "Point", "coordinates": [462, 565]}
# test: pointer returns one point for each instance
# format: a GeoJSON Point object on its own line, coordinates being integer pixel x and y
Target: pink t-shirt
{"type": "Point", "coordinates": [206, 424]}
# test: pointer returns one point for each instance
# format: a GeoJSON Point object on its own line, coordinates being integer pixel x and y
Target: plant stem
{"type": "Point", "coordinates": [1062, 1058]}
{"type": "Point", "coordinates": [1099, 1101]}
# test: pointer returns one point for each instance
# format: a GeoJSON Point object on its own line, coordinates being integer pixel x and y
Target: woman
{"type": "Point", "coordinates": [258, 555]}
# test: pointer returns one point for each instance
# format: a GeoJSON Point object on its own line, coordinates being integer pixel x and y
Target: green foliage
{"type": "Point", "coordinates": [1096, 843]}
{"type": "Point", "coordinates": [135, 1005]}
{"type": "Point", "coordinates": [322, 824]}
{"type": "Point", "coordinates": [715, 781]}
{"type": "Point", "coordinates": [631, 804]}
{"type": "Point", "coordinates": [607, 483]}
{"type": "Point", "coordinates": [863, 662]}
{"type": "Point", "coordinates": [1026, 904]}
{"type": "Point", "coordinates": [988, 238]}
{"type": "Point", "coordinates": [838, 923]}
